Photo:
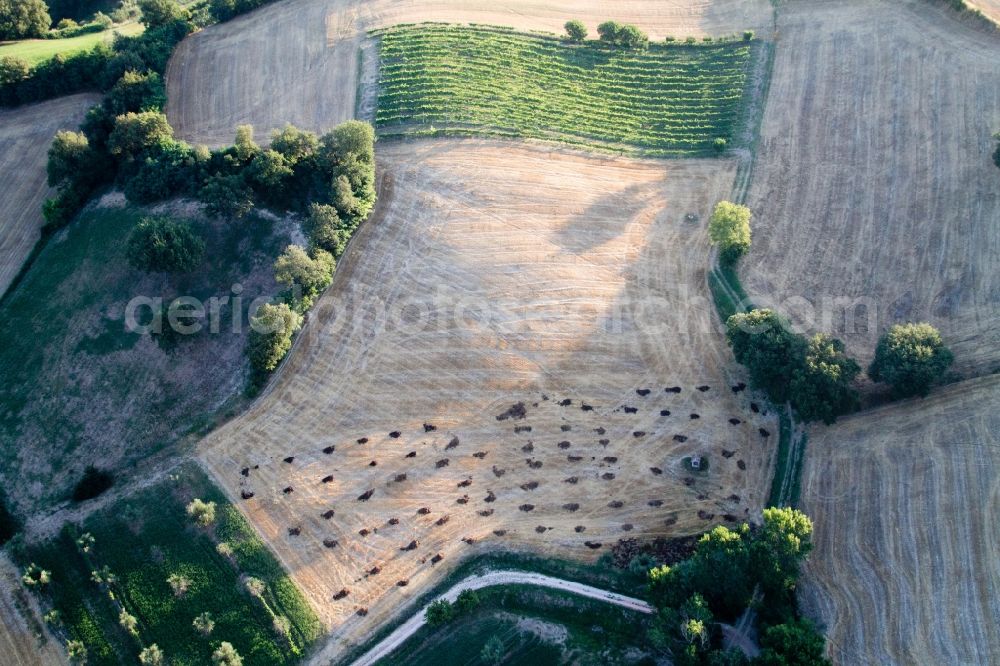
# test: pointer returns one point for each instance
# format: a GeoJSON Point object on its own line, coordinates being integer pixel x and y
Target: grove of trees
{"type": "Point", "coordinates": [910, 358]}
{"type": "Point", "coordinates": [624, 36]}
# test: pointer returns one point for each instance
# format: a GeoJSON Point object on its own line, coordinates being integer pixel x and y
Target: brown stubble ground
{"type": "Point", "coordinates": [905, 500]}
{"type": "Point", "coordinates": [25, 136]}
{"type": "Point", "coordinates": [298, 61]}
{"type": "Point", "coordinates": [873, 177]}
{"type": "Point", "coordinates": [19, 644]}
{"type": "Point", "coordinates": [579, 278]}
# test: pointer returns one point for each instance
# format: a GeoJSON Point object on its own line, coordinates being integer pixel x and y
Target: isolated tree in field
{"type": "Point", "coordinates": [23, 18]}
{"type": "Point", "coordinates": [438, 612]}
{"type": "Point", "coordinates": [226, 197]}
{"type": "Point", "coordinates": [271, 335]}
{"type": "Point", "coordinates": [493, 652]}
{"type": "Point", "coordinates": [729, 228]}
{"type": "Point", "coordinates": [822, 387]}
{"type": "Point", "coordinates": [910, 358]}
{"type": "Point", "coordinates": [179, 584]}
{"type": "Point", "coordinates": [160, 245]}
{"type": "Point", "coordinates": [128, 622]}
{"type": "Point", "coordinates": [244, 146]}
{"type": "Point", "coordinates": [13, 70]}
{"type": "Point", "coordinates": [202, 512]}
{"type": "Point", "coordinates": [152, 656]}
{"type": "Point", "coordinates": [576, 30]}
{"type": "Point", "coordinates": [763, 342]}
{"type": "Point", "coordinates": [136, 133]}
{"type": "Point", "coordinates": [226, 655]}
{"type": "Point", "coordinates": [69, 155]}
{"type": "Point", "coordinates": [161, 12]}
{"type": "Point", "coordinates": [76, 651]}
{"type": "Point", "coordinates": [204, 624]}
{"type": "Point", "coordinates": [306, 276]}
{"type": "Point", "coordinates": [795, 643]}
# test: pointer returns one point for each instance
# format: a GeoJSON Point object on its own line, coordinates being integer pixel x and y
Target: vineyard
{"type": "Point", "coordinates": [665, 100]}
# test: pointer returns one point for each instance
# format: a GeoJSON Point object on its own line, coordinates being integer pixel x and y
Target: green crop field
{"type": "Point", "coordinates": [665, 100]}
{"type": "Point", "coordinates": [35, 51]}
{"type": "Point", "coordinates": [144, 539]}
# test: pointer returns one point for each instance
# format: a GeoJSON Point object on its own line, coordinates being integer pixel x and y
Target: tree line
{"type": "Point", "coordinates": [814, 374]}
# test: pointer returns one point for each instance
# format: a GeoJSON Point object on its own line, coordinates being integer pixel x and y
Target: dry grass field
{"type": "Point", "coordinates": [905, 501]}
{"type": "Point", "coordinates": [25, 135]}
{"type": "Point", "coordinates": [874, 179]}
{"type": "Point", "coordinates": [18, 644]}
{"type": "Point", "coordinates": [523, 346]}
{"type": "Point", "coordinates": [298, 61]}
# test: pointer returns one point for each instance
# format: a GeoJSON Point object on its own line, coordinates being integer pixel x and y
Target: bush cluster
{"type": "Point", "coordinates": [624, 36]}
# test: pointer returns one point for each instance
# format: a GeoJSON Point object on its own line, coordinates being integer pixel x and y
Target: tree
{"type": "Point", "coordinates": [35, 576]}
{"type": "Point", "coordinates": [226, 197]}
{"type": "Point", "coordinates": [608, 32]}
{"type": "Point", "coordinates": [720, 144]}
{"type": "Point", "coordinates": [255, 587]}
{"type": "Point", "coordinates": [466, 601]}
{"type": "Point", "coordinates": [748, 36]}
{"type": "Point", "coordinates": [271, 330]}
{"type": "Point", "coordinates": [282, 625]}
{"type": "Point", "coordinates": [763, 342]}
{"type": "Point", "coordinates": [326, 230]}
{"type": "Point", "coordinates": [136, 133]}
{"type": "Point", "coordinates": [85, 543]}
{"type": "Point", "coordinates": [822, 387]}
{"type": "Point", "coordinates": [13, 70]}
{"type": "Point", "coordinates": [69, 156]}
{"type": "Point", "coordinates": [269, 171]}
{"type": "Point", "coordinates": [152, 656]}
{"type": "Point", "coordinates": [179, 583]}
{"type": "Point", "coordinates": [244, 146]}
{"type": "Point", "coordinates": [135, 92]}
{"type": "Point", "coordinates": [910, 358]}
{"type": "Point", "coordinates": [202, 512]}
{"type": "Point", "coordinates": [156, 13]}
{"type": "Point", "coordinates": [493, 651]}
{"type": "Point", "coordinates": [128, 622]}
{"type": "Point", "coordinates": [204, 624]}
{"type": "Point", "coordinates": [76, 651]}
{"type": "Point", "coordinates": [226, 655]}
{"type": "Point", "coordinates": [439, 612]}
{"type": "Point", "coordinates": [160, 245]}
{"type": "Point", "coordinates": [294, 144]}
{"type": "Point", "coordinates": [352, 137]}
{"type": "Point", "coordinates": [720, 569]}
{"type": "Point", "coordinates": [305, 276]}
{"type": "Point", "coordinates": [779, 548]}
{"type": "Point", "coordinates": [792, 644]}
{"type": "Point", "coordinates": [576, 30]}
{"type": "Point", "coordinates": [631, 37]}
{"type": "Point", "coordinates": [23, 18]}
{"type": "Point", "coordinates": [729, 228]}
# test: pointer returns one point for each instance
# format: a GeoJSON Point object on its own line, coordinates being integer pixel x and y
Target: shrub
{"type": "Point", "coordinates": [576, 31]}
{"type": "Point", "coordinates": [493, 651]}
{"type": "Point", "coordinates": [282, 625]}
{"type": "Point", "coordinates": [13, 70]}
{"type": "Point", "coordinates": [910, 358]}
{"type": "Point", "coordinates": [35, 576]}
{"type": "Point", "coordinates": [439, 612]}
{"type": "Point", "coordinates": [226, 655]}
{"type": "Point", "coordinates": [94, 482]}
{"type": "Point", "coordinates": [202, 512]}
{"type": "Point", "coordinates": [608, 31]}
{"type": "Point", "coordinates": [255, 587]}
{"type": "Point", "coordinates": [271, 335]}
{"type": "Point", "coordinates": [85, 543]}
{"type": "Point", "coordinates": [466, 602]}
{"type": "Point", "coordinates": [160, 245]}
{"type": "Point", "coordinates": [157, 13]}
{"type": "Point", "coordinates": [69, 156]}
{"type": "Point", "coordinates": [76, 651]}
{"type": "Point", "coordinates": [128, 622]}
{"type": "Point", "coordinates": [305, 276]}
{"type": "Point", "coordinates": [23, 18]}
{"type": "Point", "coordinates": [720, 144]}
{"type": "Point", "coordinates": [748, 36]}
{"type": "Point", "coordinates": [180, 583]}
{"type": "Point", "coordinates": [729, 228]}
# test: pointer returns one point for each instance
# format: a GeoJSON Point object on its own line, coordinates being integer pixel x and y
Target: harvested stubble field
{"type": "Point", "coordinates": [905, 500]}
{"type": "Point", "coordinates": [874, 180]}
{"type": "Point", "coordinates": [298, 61]}
{"type": "Point", "coordinates": [456, 79]}
{"type": "Point", "coordinates": [549, 359]}
{"type": "Point", "coordinates": [25, 136]}
{"type": "Point", "coordinates": [19, 644]}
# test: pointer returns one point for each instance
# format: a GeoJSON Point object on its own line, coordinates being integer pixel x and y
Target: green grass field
{"type": "Point", "coordinates": [35, 51]}
{"type": "Point", "coordinates": [143, 540]}
{"type": "Point", "coordinates": [666, 100]}
{"type": "Point", "coordinates": [592, 630]}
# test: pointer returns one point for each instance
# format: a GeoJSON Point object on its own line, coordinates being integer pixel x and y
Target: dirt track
{"type": "Point", "coordinates": [905, 500]}
{"type": "Point", "coordinates": [874, 178]}
{"type": "Point", "coordinates": [576, 278]}
{"type": "Point", "coordinates": [391, 642]}
{"type": "Point", "coordinates": [298, 61]}
{"type": "Point", "coordinates": [25, 136]}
